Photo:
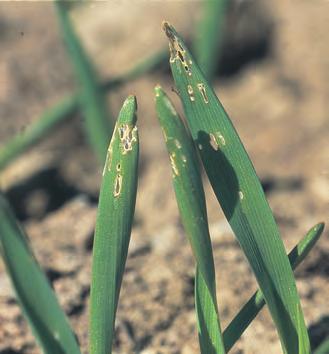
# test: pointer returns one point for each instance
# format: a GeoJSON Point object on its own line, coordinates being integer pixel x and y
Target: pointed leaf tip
{"type": "Point", "coordinates": [158, 90]}
{"type": "Point", "coordinates": [166, 26]}
{"type": "Point", "coordinates": [320, 227]}
{"type": "Point", "coordinates": [128, 111]}
{"type": "Point", "coordinates": [169, 30]}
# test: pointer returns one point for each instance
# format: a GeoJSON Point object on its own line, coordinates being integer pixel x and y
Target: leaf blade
{"type": "Point", "coordinates": [239, 192]}
{"type": "Point", "coordinates": [40, 306]}
{"type": "Point", "coordinates": [209, 36]}
{"type": "Point", "coordinates": [38, 130]}
{"type": "Point", "coordinates": [192, 207]}
{"type": "Point", "coordinates": [67, 107]}
{"type": "Point", "coordinates": [113, 227]}
{"type": "Point", "coordinates": [256, 302]}
{"type": "Point", "coordinates": [98, 121]}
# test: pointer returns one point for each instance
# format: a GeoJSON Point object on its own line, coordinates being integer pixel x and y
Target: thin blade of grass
{"type": "Point", "coordinates": [209, 331]}
{"type": "Point", "coordinates": [252, 307]}
{"type": "Point", "coordinates": [113, 227]}
{"type": "Point", "coordinates": [147, 65]}
{"type": "Point", "coordinates": [209, 35]}
{"type": "Point", "coordinates": [239, 192]}
{"type": "Point", "coordinates": [192, 206]}
{"type": "Point", "coordinates": [67, 107]}
{"type": "Point", "coordinates": [303, 341]}
{"type": "Point", "coordinates": [98, 121]}
{"type": "Point", "coordinates": [37, 131]}
{"type": "Point", "coordinates": [34, 293]}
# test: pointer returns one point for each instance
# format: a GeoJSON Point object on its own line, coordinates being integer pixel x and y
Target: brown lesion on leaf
{"type": "Point", "coordinates": [177, 52]}
{"type": "Point", "coordinates": [174, 89]}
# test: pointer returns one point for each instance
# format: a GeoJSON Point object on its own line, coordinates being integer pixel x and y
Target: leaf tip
{"type": "Point", "coordinates": [158, 90]}
{"type": "Point", "coordinates": [167, 28]}
{"type": "Point", "coordinates": [319, 227]}
{"type": "Point", "coordinates": [171, 33]}
{"type": "Point", "coordinates": [131, 100]}
{"type": "Point", "coordinates": [128, 111]}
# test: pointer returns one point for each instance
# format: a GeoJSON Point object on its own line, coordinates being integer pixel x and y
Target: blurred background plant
{"type": "Point", "coordinates": [254, 69]}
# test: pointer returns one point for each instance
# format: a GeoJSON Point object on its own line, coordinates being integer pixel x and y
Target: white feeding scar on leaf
{"type": "Point", "coordinates": [202, 89]}
{"type": "Point", "coordinates": [127, 135]}
{"type": "Point", "coordinates": [213, 142]}
{"type": "Point", "coordinates": [173, 165]}
{"type": "Point", "coordinates": [117, 185]}
{"type": "Point", "coordinates": [190, 92]}
{"type": "Point", "coordinates": [108, 161]}
{"type": "Point", "coordinates": [216, 139]}
{"type": "Point", "coordinates": [178, 144]}
{"type": "Point", "coordinates": [221, 138]}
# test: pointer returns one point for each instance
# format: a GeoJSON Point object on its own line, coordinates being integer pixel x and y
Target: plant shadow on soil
{"type": "Point", "coordinates": [319, 332]}
{"type": "Point", "coordinates": [42, 193]}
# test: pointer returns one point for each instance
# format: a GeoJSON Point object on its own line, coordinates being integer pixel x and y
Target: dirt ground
{"type": "Point", "coordinates": [273, 81]}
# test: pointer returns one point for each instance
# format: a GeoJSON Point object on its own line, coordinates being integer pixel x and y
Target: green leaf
{"type": "Point", "coordinates": [239, 192]}
{"type": "Point", "coordinates": [34, 133]}
{"type": "Point", "coordinates": [37, 299]}
{"type": "Point", "coordinates": [113, 227]}
{"type": "Point", "coordinates": [66, 109]}
{"type": "Point", "coordinates": [210, 336]}
{"type": "Point", "coordinates": [192, 206]}
{"type": "Point", "coordinates": [98, 123]}
{"type": "Point", "coordinates": [209, 35]}
{"type": "Point", "coordinates": [144, 66]}
{"type": "Point", "coordinates": [250, 310]}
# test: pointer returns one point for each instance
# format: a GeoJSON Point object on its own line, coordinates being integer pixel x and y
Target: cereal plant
{"type": "Point", "coordinates": [209, 139]}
